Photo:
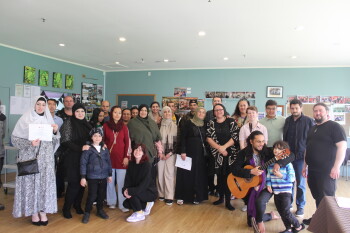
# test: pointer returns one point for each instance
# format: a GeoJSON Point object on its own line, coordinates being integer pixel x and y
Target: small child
{"type": "Point", "coordinates": [281, 184]}
{"type": "Point", "coordinates": [95, 166]}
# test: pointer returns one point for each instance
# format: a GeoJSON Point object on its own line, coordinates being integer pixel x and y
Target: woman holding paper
{"type": "Point", "coordinates": [35, 195]}
{"type": "Point", "coordinates": [166, 165]}
{"type": "Point", "coordinates": [191, 185]}
{"type": "Point", "coordinates": [75, 134]}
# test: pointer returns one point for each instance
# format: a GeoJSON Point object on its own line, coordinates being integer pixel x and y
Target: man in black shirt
{"type": "Point", "coordinates": [325, 151]}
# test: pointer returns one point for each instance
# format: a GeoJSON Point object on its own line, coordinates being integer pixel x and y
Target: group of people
{"type": "Point", "coordinates": [127, 157]}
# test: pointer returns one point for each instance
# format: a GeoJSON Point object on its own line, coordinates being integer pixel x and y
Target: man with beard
{"type": "Point", "coordinates": [325, 151]}
{"type": "Point", "coordinates": [66, 112]}
{"type": "Point", "coordinates": [257, 154]}
{"type": "Point", "coordinates": [295, 132]}
{"type": "Point", "coordinates": [126, 115]}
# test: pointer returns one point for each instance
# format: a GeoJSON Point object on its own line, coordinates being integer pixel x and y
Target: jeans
{"type": "Point", "coordinates": [300, 183]}
{"type": "Point", "coordinates": [260, 205]}
{"type": "Point", "coordinates": [283, 202]}
{"type": "Point", "coordinates": [118, 177]}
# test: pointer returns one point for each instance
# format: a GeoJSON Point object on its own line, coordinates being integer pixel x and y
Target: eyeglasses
{"type": "Point", "coordinates": [218, 110]}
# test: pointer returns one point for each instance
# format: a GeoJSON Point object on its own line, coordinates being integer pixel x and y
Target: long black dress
{"type": "Point", "coordinates": [192, 185]}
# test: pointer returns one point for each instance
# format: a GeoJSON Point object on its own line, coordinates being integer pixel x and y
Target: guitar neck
{"type": "Point", "coordinates": [268, 163]}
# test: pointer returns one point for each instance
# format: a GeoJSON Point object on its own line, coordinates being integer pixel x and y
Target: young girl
{"type": "Point", "coordinates": [95, 166]}
{"type": "Point", "coordinates": [280, 183]}
{"type": "Point", "coordinates": [139, 188]}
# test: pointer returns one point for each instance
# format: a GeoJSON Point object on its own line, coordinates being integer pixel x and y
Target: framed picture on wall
{"type": "Point", "coordinates": [69, 81]}
{"type": "Point", "coordinates": [274, 92]}
{"type": "Point", "coordinates": [280, 110]}
{"type": "Point", "coordinates": [57, 80]}
{"type": "Point", "coordinates": [43, 78]}
{"type": "Point", "coordinates": [29, 75]}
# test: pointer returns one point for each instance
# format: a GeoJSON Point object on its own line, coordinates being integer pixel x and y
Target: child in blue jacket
{"type": "Point", "coordinates": [96, 170]}
{"type": "Point", "coordinates": [280, 183]}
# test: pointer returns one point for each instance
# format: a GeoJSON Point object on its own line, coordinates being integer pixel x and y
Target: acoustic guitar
{"type": "Point", "coordinates": [239, 186]}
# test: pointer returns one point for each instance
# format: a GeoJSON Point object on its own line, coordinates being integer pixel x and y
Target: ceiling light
{"type": "Point", "coordinates": [122, 39]}
{"type": "Point", "coordinates": [336, 43]}
{"type": "Point", "coordinates": [166, 60]}
{"type": "Point", "coordinates": [62, 45]}
{"type": "Point", "coordinates": [293, 57]}
{"type": "Point", "coordinates": [117, 62]}
{"type": "Point", "coordinates": [225, 58]}
{"type": "Point", "coordinates": [299, 28]}
{"type": "Point", "coordinates": [201, 33]}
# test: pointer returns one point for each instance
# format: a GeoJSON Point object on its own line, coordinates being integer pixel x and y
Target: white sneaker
{"type": "Point", "coordinates": [124, 210]}
{"type": "Point", "coordinates": [135, 217]}
{"type": "Point", "coordinates": [112, 206]}
{"type": "Point", "coordinates": [244, 209]}
{"type": "Point", "coordinates": [148, 208]}
{"type": "Point", "coordinates": [180, 202]}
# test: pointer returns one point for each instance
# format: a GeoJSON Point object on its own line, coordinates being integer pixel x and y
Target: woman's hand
{"type": "Point", "coordinates": [85, 147]}
{"type": "Point", "coordinates": [222, 149]}
{"type": "Point", "coordinates": [109, 179]}
{"type": "Point", "coordinates": [55, 128]}
{"type": "Point", "coordinates": [168, 155]}
{"type": "Point", "coordinates": [225, 153]}
{"type": "Point", "coordinates": [36, 142]}
{"type": "Point", "coordinates": [125, 162]}
{"type": "Point", "coordinates": [126, 194]}
{"type": "Point", "coordinates": [183, 156]}
{"type": "Point", "coordinates": [83, 182]}
{"type": "Point", "coordinates": [269, 189]}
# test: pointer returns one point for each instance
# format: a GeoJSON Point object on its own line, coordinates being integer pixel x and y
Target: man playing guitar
{"type": "Point", "coordinates": [257, 154]}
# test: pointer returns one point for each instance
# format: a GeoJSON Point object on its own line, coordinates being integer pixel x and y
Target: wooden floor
{"type": "Point", "coordinates": [187, 218]}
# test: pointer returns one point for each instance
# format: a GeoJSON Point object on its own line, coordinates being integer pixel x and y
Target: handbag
{"type": "Point", "coordinates": [29, 167]}
{"type": "Point", "coordinates": [205, 152]}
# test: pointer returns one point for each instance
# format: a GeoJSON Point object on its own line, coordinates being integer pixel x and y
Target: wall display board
{"type": "Point", "coordinates": [182, 103]}
{"type": "Point", "coordinates": [91, 97]}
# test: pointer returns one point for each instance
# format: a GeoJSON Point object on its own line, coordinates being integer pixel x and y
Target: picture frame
{"type": "Point", "coordinates": [57, 80]}
{"type": "Point", "coordinates": [43, 78]}
{"type": "Point", "coordinates": [274, 92]}
{"type": "Point", "coordinates": [29, 75]}
{"type": "Point", "coordinates": [69, 82]}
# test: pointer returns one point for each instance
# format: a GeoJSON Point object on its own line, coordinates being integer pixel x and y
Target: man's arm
{"type": "Point", "coordinates": [340, 155]}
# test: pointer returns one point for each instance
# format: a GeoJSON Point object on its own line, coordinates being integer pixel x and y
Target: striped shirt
{"type": "Point", "coordinates": [284, 184]}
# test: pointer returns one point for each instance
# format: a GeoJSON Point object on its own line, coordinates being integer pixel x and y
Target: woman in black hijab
{"type": "Point", "coordinates": [75, 134]}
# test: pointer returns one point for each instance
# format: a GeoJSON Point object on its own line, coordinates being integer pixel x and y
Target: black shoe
{"type": "Point", "coordinates": [161, 199]}
{"type": "Point", "coordinates": [86, 218]}
{"type": "Point", "coordinates": [217, 194]}
{"type": "Point", "coordinates": [67, 214]}
{"type": "Point", "coordinates": [302, 228]}
{"type": "Point", "coordinates": [36, 223]}
{"type": "Point", "coordinates": [79, 210]}
{"type": "Point", "coordinates": [44, 223]}
{"type": "Point", "coordinates": [229, 206]}
{"type": "Point", "coordinates": [211, 192]}
{"type": "Point", "coordinates": [102, 214]}
{"type": "Point", "coordinates": [2, 207]}
{"type": "Point", "coordinates": [307, 221]}
{"type": "Point", "coordinates": [299, 212]}
{"type": "Point", "coordinates": [218, 202]}
{"type": "Point", "coordinates": [168, 202]}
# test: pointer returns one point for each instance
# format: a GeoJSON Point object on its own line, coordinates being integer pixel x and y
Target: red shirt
{"type": "Point", "coordinates": [121, 146]}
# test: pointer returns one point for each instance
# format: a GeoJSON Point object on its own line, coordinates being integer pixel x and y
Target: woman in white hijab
{"type": "Point", "coordinates": [35, 195]}
{"type": "Point", "coordinates": [166, 165]}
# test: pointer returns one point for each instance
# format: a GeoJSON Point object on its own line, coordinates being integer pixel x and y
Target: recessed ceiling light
{"type": "Point", "coordinates": [117, 62]}
{"type": "Point", "coordinates": [62, 45]}
{"type": "Point", "coordinates": [299, 28]}
{"type": "Point", "coordinates": [225, 58]}
{"type": "Point", "coordinates": [122, 39]}
{"type": "Point", "coordinates": [336, 43]}
{"type": "Point", "coordinates": [201, 33]}
{"type": "Point", "coordinates": [166, 60]}
{"type": "Point", "coordinates": [293, 57]}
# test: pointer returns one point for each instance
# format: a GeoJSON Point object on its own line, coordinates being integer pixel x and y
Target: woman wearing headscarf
{"type": "Point", "coordinates": [191, 186]}
{"type": "Point", "coordinates": [143, 130]}
{"type": "Point", "coordinates": [222, 136]}
{"type": "Point", "coordinates": [118, 143]}
{"type": "Point", "coordinates": [155, 113]}
{"type": "Point", "coordinates": [75, 135]}
{"type": "Point", "coordinates": [166, 164]}
{"type": "Point", "coordinates": [35, 195]}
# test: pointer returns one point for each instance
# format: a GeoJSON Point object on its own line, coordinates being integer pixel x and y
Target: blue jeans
{"type": "Point", "coordinates": [118, 176]}
{"type": "Point", "coordinates": [301, 184]}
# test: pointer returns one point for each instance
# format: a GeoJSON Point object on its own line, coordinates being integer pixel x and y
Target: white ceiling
{"type": "Point", "coordinates": [251, 33]}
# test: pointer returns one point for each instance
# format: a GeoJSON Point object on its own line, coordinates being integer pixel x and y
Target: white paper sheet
{"type": "Point", "coordinates": [343, 202]}
{"type": "Point", "coordinates": [19, 105]}
{"type": "Point", "coordinates": [19, 90]}
{"type": "Point", "coordinates": [40, 131]}
{"type": "Point", "coordinates": [26, 91]}
{"type": "Point", "coordinates": [35, 91]}
{"type": "Point", "coordinates": [185, 164]}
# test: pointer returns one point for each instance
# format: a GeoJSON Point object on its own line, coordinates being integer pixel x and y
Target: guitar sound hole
{"type": "Point", "coordinates": [248, 180]}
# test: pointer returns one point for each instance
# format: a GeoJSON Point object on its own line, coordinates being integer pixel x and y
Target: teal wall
{"type": "Point", "coordinates": [302, 81]}
{"type": "Point", "coordinates": [12, 64]}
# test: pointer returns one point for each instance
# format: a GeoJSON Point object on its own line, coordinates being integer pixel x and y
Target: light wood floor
{"type": "Point", "coordinates": [187, 218]}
